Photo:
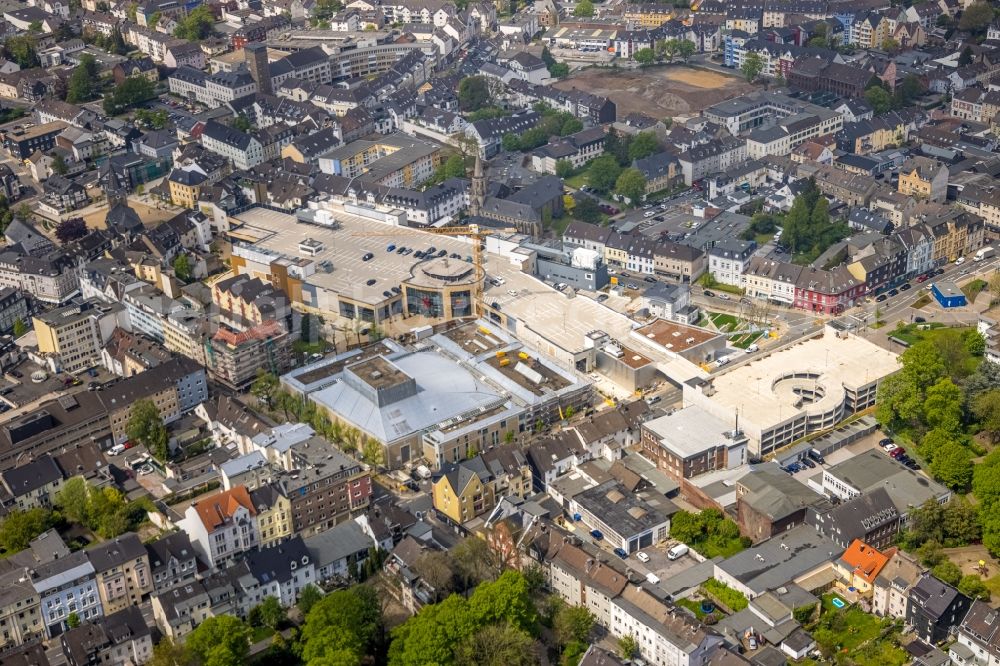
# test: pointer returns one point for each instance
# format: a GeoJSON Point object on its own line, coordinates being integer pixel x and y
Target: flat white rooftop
{"type": "Point", "coordinates": [344, 247]}
{"type": "Point", "coordinates": [766, 389]}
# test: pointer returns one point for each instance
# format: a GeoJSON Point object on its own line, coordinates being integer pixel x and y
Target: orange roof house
{"type": "Point", "coordinates": [863, 563]}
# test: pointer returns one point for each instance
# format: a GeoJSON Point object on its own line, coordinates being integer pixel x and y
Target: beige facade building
{"type": "Point", "coordinates": [121, 567]}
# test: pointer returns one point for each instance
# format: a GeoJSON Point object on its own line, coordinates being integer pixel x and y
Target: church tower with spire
{"type": "Point", "coordinates": [477, 190]}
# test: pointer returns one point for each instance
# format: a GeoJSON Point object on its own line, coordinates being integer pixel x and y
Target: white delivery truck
{"type": "Point", "coordinates": [984, 253]}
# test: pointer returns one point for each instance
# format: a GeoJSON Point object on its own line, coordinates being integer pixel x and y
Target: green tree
{"type": "Point", "coordinates": [952, 466]}
{"type": "Point", "coordinates": [948, 572]}
{"type": "Point", "coordinates": [72, 500]}
{"type": "Point", "coordinates": [59, 165]}
{"type": "Point", "coordinates": [454, 167]}
{"type": "Point", "coordinates": [943, 406]}
{"type": "Point", "coordinates": [20, 328]}
{"type": "Point", "coordinates": [686, 48]}
{"type": "Point", "coordinates": [573, 624]}
{"type": "Point", "coordinates": [264, 387]}
{"type": "Point", "coordinates": [145, 425]}
{"type": "Point", "coordinates": [473, 93]}
{"type": "Point", "coordinates": [879, 99]}
{"type": "Point", "coordinates": [133, 91]}
{"type": "Point", "coordinates": [168, 653]}
{"type": "Point", "coordinates": [631, 184]}
{"type": "Point", "coordinates": [23, 49]}
{"type": "Point", "coordinates": [753, 65]}
{"type": "Point", "coordinates": [373, 453]}
{"type": "Point", "coordinates": [644, 56]}
{"type": "Point", "coordinates": [342, 627]}
{"type": "Point", "coordinates": [197, 25]}
{"type": "Point", "coordinates": [564, 168]}
{"type": "Point", "coordinates": [976, 17]}
{"type": "Point", "coordinates": [584, 9]}
{"type": "Point", "coordinates": [268, 613]}
{"type": "Point", "coordinates": [154, 119]}
{"type": "Point", "coordinates": [221, 640]}
{"type": "Point", "coordinates": [511, 143]}
{"type": "Point", "coordinates": [642, 145]}
{"type": "Point", "coordinates": [83, 82]}
{"type": "Point", "coordinates": [965, 58]}
{"type": "Point", "coordinates": [571, 126]}
{"type": "Point", "coordinates": [603, 172]}
{"type": "Point", "coordinates": [242, 123]}
{"type": "Point", "coordinates": [308, 597]}
{"type": "Point", "coordinates": [182, 267]}
{"type": "Point", "coordinates": [923, 365]}
{"type": "Point", "coordinates": [72, 620]}
{"type": "Point", "coordinates": [973, 587]}
{"type": "Point", "coordinates": [586, 209]}
{"type": "Point", "coordinates": [559, 70]}
{"type": "Point", "coordinates": [18, 528]}
{"type": "Point", "coordinates": [496, 645]}
{"type": "Point", "coordinates": [154, 20]}
{"type": "Point", "coordinates": [986, 407]}
{"type": "Point", "coordinates": [627, 647]}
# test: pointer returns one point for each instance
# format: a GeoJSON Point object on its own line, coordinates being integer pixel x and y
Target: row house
{"type": "Point", "coordinates": [813, 74]}
{"type": "Point", "coordinates": [827, 291]}
{"type": "Point", "coordinates": [583, 105]}
{"type": "Point", "coordinates": [923, 178]}
{"type": "Point", "coordinates": [211, 90]}
{"type": "Point", "coordinates": [222, 527]}
{"type": "Point", "coordinates": [789, 132]}
{"type": "Point", "coordinates": [977, 641]}
{"type": "Point", "coordinates": [891, 592]}
{"type": "Point", "coordinates": [121, 567]}
{"type": "Point", "coordinates": [982, 200]}
{"type": "Point", "coordinates": [718, 155]}
{"type": "Point", "coordinates": [879, 265]}
{"type": "Point", "coordinates": [853, 190]}
{"type": "Point", "coordinates": [769, 280]}
{"type": "Point", "coordinates": [955, 231]}
{"type": "Point", "coordinates": [120, 638]}
{"type": "Point", "coordinates": [976, 104]}
{"type": "Point", "coordinates": [470, 488]}
{"type": "Point", "coordinates": [864, 137]}
{"type": "Point", "coordinates": [577, 149]}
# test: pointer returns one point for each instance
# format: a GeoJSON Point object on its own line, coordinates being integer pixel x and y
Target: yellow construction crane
{"type": "Point", "coordinates": [473, 231]}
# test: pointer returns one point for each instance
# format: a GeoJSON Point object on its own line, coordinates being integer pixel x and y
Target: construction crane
{"type": "Point", "coordinates": [473, 231]}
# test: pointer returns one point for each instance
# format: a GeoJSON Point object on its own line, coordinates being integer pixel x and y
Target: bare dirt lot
{"type": "Point", "coordinates": [660, 91]}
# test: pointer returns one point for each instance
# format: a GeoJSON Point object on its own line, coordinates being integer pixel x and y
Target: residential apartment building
{"type": "Point", "coordinates": [172, 561]}
{"type": "Point", "coordinates": [274, 514]}
{"type": "Point", "coordinates": [222, 527]}
{"type": "Point", "coordinates": [243, 150]}
{"type": "Point", "coordinates": [708, 158]}
{"type": "Point", "coordinates": [728, 260]}
{"type": "Point", "coordinates": [32, 484]}
{"type": "Point", "coordinates": [576, 149]}
{"type": "Point", "coordinates": [118, 639]}
{"type": "Point", "coordinates": [70, 339]}
{"type": "Point", "coordinates": [20, 613]}
{"type": "Point", "coordinates": [923, 178]}
{"type": "Point", "coordinates": [977, 641]}
{"type": "Point", "coordinates": [891, 593]}
{"type": "Point", "coordinates": [121, 567]}
{"type": "Point", "coordinates": [470, 488]}
{"type": "Point", "coordinates": [234, 358]}
{"type": "Point", "coordinates": [324, 487]}
{"type": "Point", "coordinates": [935, 609]}
{"type": "Point", "coordinates": [65, 583]}
{"type": "Point", "coordinates": [175, 388]}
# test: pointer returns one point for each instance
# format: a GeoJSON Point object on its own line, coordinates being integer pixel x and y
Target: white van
{"type": "Point", "coordinates": [116, 450]}
{"type": "Point", "coordinates": [677, 552]}
{"type": "Point", "coordinates": [652, 578]}
{"type": "Point", "coordinates": [751, 349]}
{"type": "Point", "coordinates": [722, 360]}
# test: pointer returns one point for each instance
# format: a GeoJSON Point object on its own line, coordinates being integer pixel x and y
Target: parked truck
{"type": "Point", "coordinates": [984, 253]}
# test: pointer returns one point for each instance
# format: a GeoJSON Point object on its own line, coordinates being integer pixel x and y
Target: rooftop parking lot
{"type": "Point", "coordinates": [341, 267]}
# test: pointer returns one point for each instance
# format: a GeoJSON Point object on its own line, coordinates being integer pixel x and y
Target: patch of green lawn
{"type": "Point", "coordinates": [972, 289]}
{"type": "Point", "coordinates": [723, 321]}
{"type": "Point", "coordinates": [576, 181]}
{"type": "Point", "coordinates": [914, 333]}
{"type": "Point", "coordinates": [744, 341]}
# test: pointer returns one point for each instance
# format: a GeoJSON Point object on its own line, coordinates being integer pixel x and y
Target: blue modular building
{"type": "Point", "coordinates": [948, 294]}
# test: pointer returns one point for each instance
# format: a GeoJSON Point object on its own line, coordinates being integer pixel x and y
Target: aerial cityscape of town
{"type": "Point", "coordinates": [499, 333]}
